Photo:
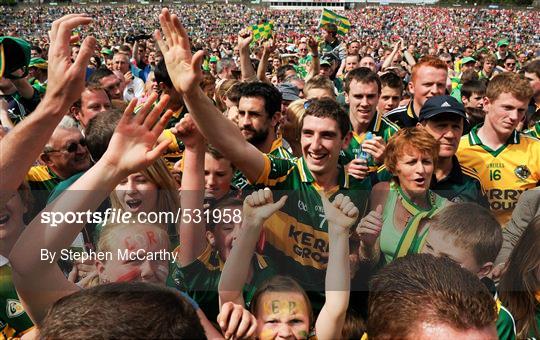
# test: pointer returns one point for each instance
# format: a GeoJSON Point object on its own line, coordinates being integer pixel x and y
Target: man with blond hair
{"type": "Point", "coordinates": [507, 162]}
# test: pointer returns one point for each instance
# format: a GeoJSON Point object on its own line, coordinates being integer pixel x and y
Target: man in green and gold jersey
{"type": "Point", "coordinates": [362, 91]}
{"type": "Point", "coordinates": [259, 112]}
{"type": "Point", "coordinates": [297, 235]}
{"type": "Point", "coordinates": [506, 161]}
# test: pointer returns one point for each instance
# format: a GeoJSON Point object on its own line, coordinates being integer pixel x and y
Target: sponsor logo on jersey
{"type": "Point", "coordinates": [14, 308]}
{"type": "Point", "coordinates": [522, 172]}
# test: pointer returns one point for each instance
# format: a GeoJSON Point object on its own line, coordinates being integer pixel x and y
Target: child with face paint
{"type": "Point", "coordinates": [280, 306]}
{"type": "Point", "coordinates": [40, 282]}
{"type": "Point", "coordinates": [206, 243]}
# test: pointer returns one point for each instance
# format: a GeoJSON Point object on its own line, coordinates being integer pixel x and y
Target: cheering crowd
{"type": "Point", "coordinates": [380, 184]}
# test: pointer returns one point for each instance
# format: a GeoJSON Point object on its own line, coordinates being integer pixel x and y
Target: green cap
{"type": "Point", "coordinates": [503, 42]}
{"type": "Point", "coordinates": [467, 60]}
{"type": "Point", "coordinates": [106, 51]}
{"type": "Point", "coordinates": [38, 62]}
{"type": "Point", "coordinates": [14, 54]}
{"type": "Point", "coordinates": [213, 59]}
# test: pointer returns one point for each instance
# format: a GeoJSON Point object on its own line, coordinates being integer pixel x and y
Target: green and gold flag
{"type": "Point", "coordinates": [328, 17]}
{"type": "Point", "coordinates": [262, 31]}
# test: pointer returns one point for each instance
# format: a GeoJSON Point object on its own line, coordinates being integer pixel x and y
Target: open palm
{"type": "Point", "coordinates": [132, 145]}
{"type": "Point", "coordinates": [184, 68]}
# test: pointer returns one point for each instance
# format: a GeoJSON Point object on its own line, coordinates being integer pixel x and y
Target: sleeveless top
{"type": "Point", "coordinates": [396, 244]}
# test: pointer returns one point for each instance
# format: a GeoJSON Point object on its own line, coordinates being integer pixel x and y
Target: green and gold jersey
{"type": "Point", "coordinates": [534, 131]}
{"type": "Point", "coordinates": [297, 235]}
{"type": "Point", "coordinates": [380, 127]}
{"type": "Point", "coordinates": [14, 321]}
{"type": "Point", "coordinates": [240, 182]}
{"type": "Point", "coordinates": [504, 173]}
{"type": "Point", "coordinates": [42, 182]}
{"type": "Point", "coordinates": [200, 279]}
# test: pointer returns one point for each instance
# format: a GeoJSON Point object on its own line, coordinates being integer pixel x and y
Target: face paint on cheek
{"type": "Point", "coordinates": [302, 335]}
{"type": "Point", "coordinates": [151, 237]}
{"type": "Point", "coordinates": [266, 334]}
{"type": "Point", "coordinates": [132, 275]}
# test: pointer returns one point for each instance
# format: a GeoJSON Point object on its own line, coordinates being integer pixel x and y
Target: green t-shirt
{"type": "Point", "coordinates": [380, 127]}
{"type": "Point", "coordinates": [506, 328]}
{"type": "Point", "coordinates": [201, 278]}
{"type": "Point", "coordinates": [13, 319]}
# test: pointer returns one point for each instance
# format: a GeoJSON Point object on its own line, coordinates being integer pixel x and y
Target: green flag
{"type": "Point", "coordinates": [262, 31]}
{"type": "Point", "coordinates": [328, 17]}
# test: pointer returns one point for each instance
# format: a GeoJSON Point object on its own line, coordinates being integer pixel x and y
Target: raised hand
{"type": "Point", "coordinates": [245, 37]}
{"type": "Point", "coordinates": [340, 214]}
{"type": "Point", "coordinates": [183, 67]}
{"type": "Point", "coordinates": [270, 45]}
{"type": "Point", "coordinates": [370, 226]}
{"type": "Point", "coordinates": [260, 205]}
{"type": "Point", "coordinates": [62, 72]}
{"type": "Point", "coordinates": [313, 45]}
{"type": "Point", "coordinates": [132, 146]}
{"type": "Point", "coordinates": [236, 322]}
{"type": "Point", "coordinates": [188, 132]}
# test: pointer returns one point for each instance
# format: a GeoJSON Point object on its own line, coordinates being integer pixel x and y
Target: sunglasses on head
{"type": "Point", "coordinates": [71, 147]}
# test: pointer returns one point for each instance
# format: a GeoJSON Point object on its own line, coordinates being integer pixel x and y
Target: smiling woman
{"type": "Point", "coordinates": [394, 226]}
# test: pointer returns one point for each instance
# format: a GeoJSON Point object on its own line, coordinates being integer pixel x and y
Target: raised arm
{"type": "Point", "coordinates": [315, 61]}
{"type": "Point", "coordinates": [40, 283]}
{"type": "Point", "coordinates": [186, 75]}
{"type": "Point", "coordinates": [22, 145]}
{"type": "Point", "coordinates": [258, 207]}
{"type": "Point", "coordinates": [388, 61]}
{"type": "Point", "coordinates": [246, 68]}
{"type": "Point", "coordinates": [341, 215]}
{"type": "Point", "coordinates": [268, 48]}
{"type": "Point", "coordinates": [192, 235]}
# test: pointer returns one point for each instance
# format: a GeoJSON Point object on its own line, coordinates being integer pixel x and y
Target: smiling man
{"type": "Point", "coordinates": [362, 92]}
{"type": "Point", "coordinates": [428, 80]}
{"type": "Point", "coordinates": [506, 161]}
{"type": "Point", "coordinates": [296, 235]}
{"type": "Point", "coordinates": [443, 117]}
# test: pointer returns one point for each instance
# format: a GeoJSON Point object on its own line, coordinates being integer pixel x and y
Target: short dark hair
{"type": "Point", "coordinates": [132, 310]}
{"type": "Point", "coordinates": [416, 288]}
{"type": "Point", "coordinates": [473, 86]}
{"type": "Point", "coordinates": [99, 132]}
{"type": "Point", "coordinates": [161, 74]}
{"type": "Point", "coordinates": [362, 75]}
{"type": "Point", "coordinates": [327, 108]}
{"type": "Point", "coordinates": [98, 74]}
{"type": "Point", "coordinates": [391, 80]}
{"type": "Point", "coordinates": [270, 94]}
{"type": "Point", "coordinates": [282, 70]}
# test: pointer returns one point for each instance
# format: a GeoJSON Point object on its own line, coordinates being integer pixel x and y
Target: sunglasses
{"type": "Point", "coordinates": [71, 147]}
{"type": "Point", "coordinates": [511, 64]}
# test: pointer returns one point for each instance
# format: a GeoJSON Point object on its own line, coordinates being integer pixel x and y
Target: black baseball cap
{"type": "Point", "coordinates": [441, 104]}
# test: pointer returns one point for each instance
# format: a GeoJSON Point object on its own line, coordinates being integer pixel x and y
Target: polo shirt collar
{"type": "Point", "coordinates": [307, 177]}
{"type": "Point", "coordinates": [475, 140]}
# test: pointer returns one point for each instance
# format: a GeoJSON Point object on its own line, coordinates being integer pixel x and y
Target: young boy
{"type": "Point", "coordinates": [470, 235]}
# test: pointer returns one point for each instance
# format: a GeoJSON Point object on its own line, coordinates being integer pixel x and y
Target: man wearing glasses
{"type": "Point", "coordinates": [64, 156]}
